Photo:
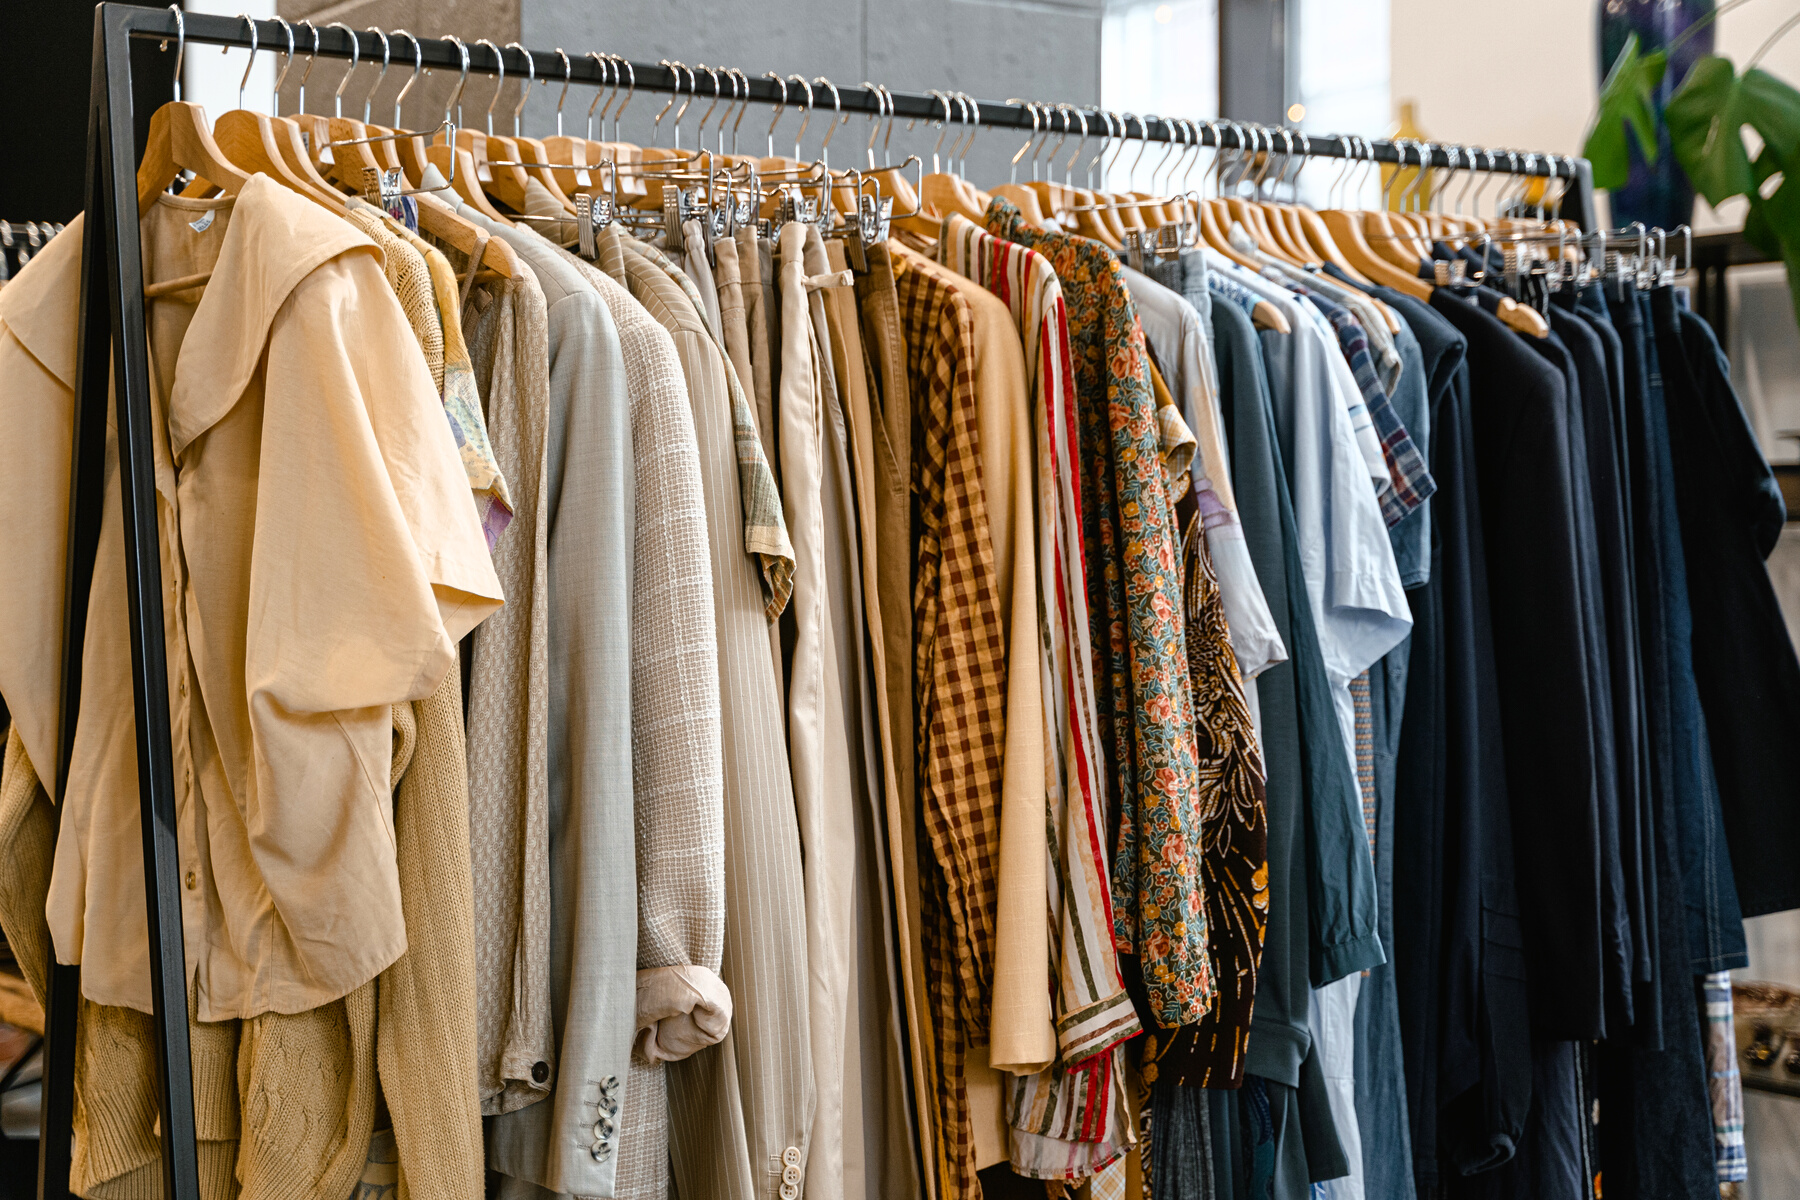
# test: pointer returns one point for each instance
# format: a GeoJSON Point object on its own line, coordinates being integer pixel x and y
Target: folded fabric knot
{"type": "Point", "coordinates": [680, 1009]}
{"type": "Point", "coordinates": [830, 280]}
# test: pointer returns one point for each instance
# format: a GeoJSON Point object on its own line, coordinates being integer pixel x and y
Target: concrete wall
{"type": "Point", "coordinates": [994, 49]}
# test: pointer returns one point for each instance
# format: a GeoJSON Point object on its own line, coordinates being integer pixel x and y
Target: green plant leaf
{"type": "Point", "coordinates": [1759, 232]}
{"type": "Point", "coordinates": [1773, 225]}
{"type": "Point", "coordinates": [1706, 119]}
{"type": "Point", "coordinates": [1772, 107]}
{"type": "Point", "coordinates": [1757, 228]}
{"type": "Point", "coordinates": [1625, 100]}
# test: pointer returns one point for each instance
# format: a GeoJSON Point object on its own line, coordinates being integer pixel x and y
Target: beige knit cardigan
{"type": "Point", "coordinates": [284, 1105]}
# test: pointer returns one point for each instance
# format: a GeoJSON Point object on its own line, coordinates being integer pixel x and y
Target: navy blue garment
{"type": "Point", "coordinates": [1554, 1160]}
{"type": "Point", "coordinates": [1749, 679]}
{"type": "Point", "coordinates": [1459, 963]}
{"type": "Point", "coordinates": [1609, 486]}
{"type": "Point", "coordinates": [1680, 751]}
{"type": "Point", "coordinates": [1655, 1135]}
{"type": "Point", "coordinates": [1607, 414]}
{"type": "Point", "coordinates": [1618, 950]}
{"type": "Point", "coordinates": [1534, 577]}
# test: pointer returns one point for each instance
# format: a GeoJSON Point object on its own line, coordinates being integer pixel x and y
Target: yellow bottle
{"type": "Point", "coordinates": [1394, 189]}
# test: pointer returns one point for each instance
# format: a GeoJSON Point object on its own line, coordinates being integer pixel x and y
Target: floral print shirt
{"type": "Point", "coordinates": [1135, 611]}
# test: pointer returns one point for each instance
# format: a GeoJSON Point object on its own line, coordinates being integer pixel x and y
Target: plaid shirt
{"type": "Point", "coordinates": [1723, 1082]}
{"type": "Point", "coordinates": [1063, 1118]}
{"type": "Point", "coordinates": [960, 685]}
{"type": "Point", "coordinates": [1413, 484]}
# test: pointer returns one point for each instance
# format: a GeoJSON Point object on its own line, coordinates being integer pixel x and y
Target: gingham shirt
{"type": "Point", "coordinates": [960, 682]}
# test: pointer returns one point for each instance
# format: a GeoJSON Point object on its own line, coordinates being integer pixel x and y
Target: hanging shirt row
{"type": "Point", "coordinates": [777, 712]}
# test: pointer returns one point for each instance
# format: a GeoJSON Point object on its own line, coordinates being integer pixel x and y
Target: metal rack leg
{"type": "Point", "coordinates": [113, 344]}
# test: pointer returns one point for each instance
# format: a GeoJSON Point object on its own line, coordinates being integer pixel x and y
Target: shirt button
{"type": "Point", "coordinates": [791, 1176]}
{"type": "Point", "coordinates": [789, 1191]}
{"type": "Point", "coordinates": [191, 881]}
{"type": "Point", "coordinates": [791, 1156]}
{"type": "Point", "coordinates": [181, 686]}
{"type": "Point", "coordinates": [540, 1071]}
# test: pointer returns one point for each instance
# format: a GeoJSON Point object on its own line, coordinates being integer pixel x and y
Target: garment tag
{"type": "Point", "coordinates": [205, 221]}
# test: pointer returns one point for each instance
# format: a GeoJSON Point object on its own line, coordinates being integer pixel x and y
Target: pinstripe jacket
{"type": "Point", "coordinates": [741, 1111]}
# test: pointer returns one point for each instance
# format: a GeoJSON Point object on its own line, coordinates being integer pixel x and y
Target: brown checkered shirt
{"type": "Point", "coordinates": [960, 672]}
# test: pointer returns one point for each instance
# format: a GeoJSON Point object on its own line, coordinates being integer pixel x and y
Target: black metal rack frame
{"type": "Point", "coordinates": [112, 336]}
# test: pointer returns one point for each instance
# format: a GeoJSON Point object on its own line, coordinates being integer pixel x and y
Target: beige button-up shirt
{"type": "Point", "coordinates": [321, 556]}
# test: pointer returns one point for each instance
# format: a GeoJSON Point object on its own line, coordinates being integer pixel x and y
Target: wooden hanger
{"type": "Point", "coordinates": [180, 141]}
{"type": "Point", "coordinates": [1091, 222]}
{"type": "Point", "coordinates": [531, 150]}
{"type": "Point", "coordinates": [584, 152]}
{"type": "Point", "coordinates": [346, 169]}
{"type": "Point", "coordinates": [1026, 201]}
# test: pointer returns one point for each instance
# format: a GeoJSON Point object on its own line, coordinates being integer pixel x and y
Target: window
{"type": "Point", "coordinates": [1158, 57]}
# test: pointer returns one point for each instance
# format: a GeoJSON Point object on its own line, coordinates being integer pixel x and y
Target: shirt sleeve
{"type": "Point", "coordinates": [369, 558]}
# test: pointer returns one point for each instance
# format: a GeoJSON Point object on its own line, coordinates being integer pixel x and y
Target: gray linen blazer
{"type": "Point", "coordinates": [569, 1143]}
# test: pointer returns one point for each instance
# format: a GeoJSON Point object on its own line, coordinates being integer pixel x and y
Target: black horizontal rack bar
{"type": "Point", "coordinates": [548, 66]}
{"type": "Point", "coordinates": [113, 365]}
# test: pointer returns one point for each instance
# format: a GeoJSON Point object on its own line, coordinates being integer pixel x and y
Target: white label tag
{"type": "Point", "coordinates": [205, 222]}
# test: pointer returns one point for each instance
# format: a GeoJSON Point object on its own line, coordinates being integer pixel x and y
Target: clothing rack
{"type": "Point", "coordinates": [112, 332]}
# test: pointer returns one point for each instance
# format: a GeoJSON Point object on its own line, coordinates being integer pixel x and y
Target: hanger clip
{"type": "Point", "coordinates": [873, 217]}
{"type": "Point", "coordinates": [795, 207]}
{"type": "Point", "coordinates": [383, 189]}
{"type": "Point", "coordinates": [1168, 242]}
{"type": "Point", "coordinates": [674, 239]}
{"type": "Point", "coordinates": [592, 214]}
{"type": "Point", "coordinates": [1139, 244]}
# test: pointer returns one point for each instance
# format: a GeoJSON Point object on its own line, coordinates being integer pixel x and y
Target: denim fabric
{"type": "Point", "coordinates": [1181, 1164]}
{"type": "Point", "coordinates": [1655, 1140]}
{"type": "Point", "coordinates": [1186, 276]}
{"type": "Point", "coordinates": [1381, 1113]}
{"type": "Point", "coordinates": [1681, 748]}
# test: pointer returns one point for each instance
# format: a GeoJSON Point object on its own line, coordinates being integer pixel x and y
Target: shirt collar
{"type": "Point", "coordinates": [275, 239]}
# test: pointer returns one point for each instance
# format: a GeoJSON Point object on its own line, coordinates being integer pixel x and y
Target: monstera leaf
{"type": "Point", "coordinates": [1706, 121]}
{"type": "Point", "coordinates": [1625, 101]}
{"type": "Point", "coordinates": [1773, 224]}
